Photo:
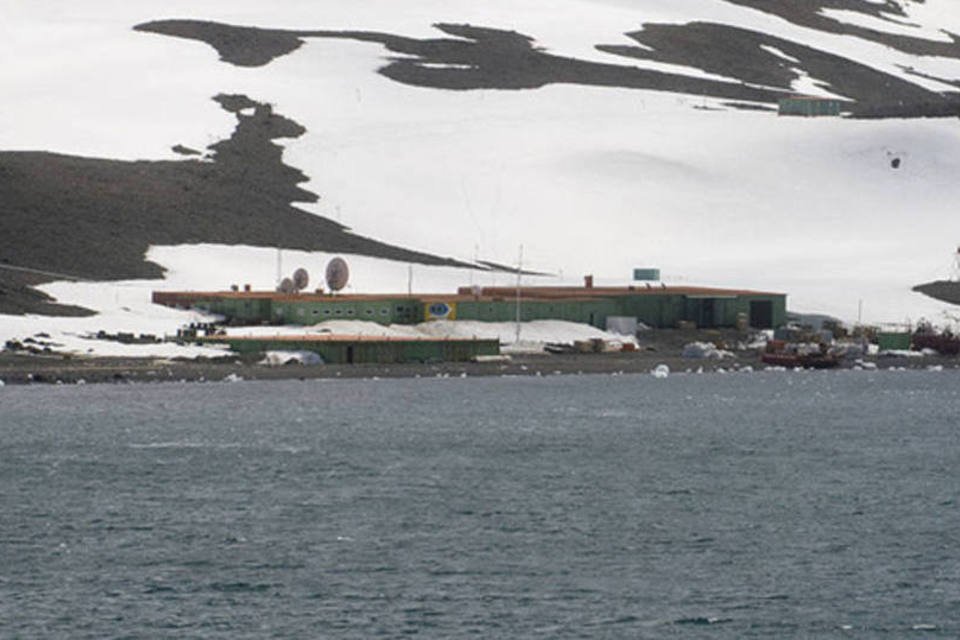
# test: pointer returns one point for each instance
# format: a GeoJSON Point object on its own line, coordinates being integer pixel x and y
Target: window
{"type": "Point", "coordinates": [351, 312]}
{"type": "Point", "coordinates": [369, 312]}
{"type": "Point", "coordinates": [384, 311]}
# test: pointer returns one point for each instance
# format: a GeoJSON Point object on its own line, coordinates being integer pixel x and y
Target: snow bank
{"type": "Point", "coordinates": [534, 336]}
{"type": "Point", "coordinates": [704, 350]}
{"type": "Point", "coordinates": [901, 353]}
{"type": "Point", "coordinates": [280, 358]}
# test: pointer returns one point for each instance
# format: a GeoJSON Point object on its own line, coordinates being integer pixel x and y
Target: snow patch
{"type": "Point", "coordinates": [534, 335]}
{"type": "Point", "coordinates": [704, 350]}
{"type": "Point", "coordinates": [888, 24]}
{"type": "Point", "coordinates": [280, 358]}
{"type": "Point", "coordinates": [780, 54]}
{"type": "Point", "coordinates": [660, 371]}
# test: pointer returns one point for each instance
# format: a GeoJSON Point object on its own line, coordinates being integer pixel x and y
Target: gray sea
{"type": "Point", "coordinates": [763, 505]}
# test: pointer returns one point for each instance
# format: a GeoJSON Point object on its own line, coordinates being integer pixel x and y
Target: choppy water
{"type": "Point", "coordinates": [749, 505]}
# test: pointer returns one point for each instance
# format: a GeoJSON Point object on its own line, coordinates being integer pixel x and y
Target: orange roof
{"type": "Point", "coordinates": [332, 337]}
{"type": "Point", "coordinates": [594, 292]}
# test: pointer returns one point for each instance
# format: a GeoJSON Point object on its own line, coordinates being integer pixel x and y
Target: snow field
{"type": "Point", "coordinates": [588, 180]}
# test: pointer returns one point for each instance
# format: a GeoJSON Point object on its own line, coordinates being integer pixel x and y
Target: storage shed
{"type": "Point", "coordinates": [809, 106]}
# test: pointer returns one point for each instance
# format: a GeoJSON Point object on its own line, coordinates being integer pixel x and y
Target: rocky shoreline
{"type": "Point", "coordinates": [20, 369]}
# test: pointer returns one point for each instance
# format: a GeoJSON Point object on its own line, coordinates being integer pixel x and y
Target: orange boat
{"type": "Point", "coordinates": [780, 353]}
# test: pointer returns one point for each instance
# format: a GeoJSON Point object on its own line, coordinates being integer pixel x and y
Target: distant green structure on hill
{"type": "Point", "coordinates": [658, 306]}
{"type": "Point", "coordinates": [809, 106]}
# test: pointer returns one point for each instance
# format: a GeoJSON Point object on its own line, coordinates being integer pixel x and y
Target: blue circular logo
{"type": "Point", "coordinates": [440, 309]}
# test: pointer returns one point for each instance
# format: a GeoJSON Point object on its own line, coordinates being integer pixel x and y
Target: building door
{"type": "Point", "coordinates": [706, 315]}
{"type": "Point", "coordinates": [761, 314]}
{"type": "Point", "coordinates": [350, 354]}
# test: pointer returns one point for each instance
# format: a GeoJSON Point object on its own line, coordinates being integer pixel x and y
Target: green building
{"type": "Point", "coordinates": [809, 106]}
{"type": "Point", "coordinates": [337, 349]}
{"type": "Point", "coordinates": [655, 306]}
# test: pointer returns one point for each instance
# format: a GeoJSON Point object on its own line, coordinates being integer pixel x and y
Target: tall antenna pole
{"type": "Point", "coordinates": [279, 266]}
{"type": "Point", "coordinates": [410, 280]}
{"type": "Point", "coordinates": [476, 252]}
{"type": "Point", "coordinates": [519, 273]}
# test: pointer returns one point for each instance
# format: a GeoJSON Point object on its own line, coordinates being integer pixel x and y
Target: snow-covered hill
{"type": "Point", "coordinates": [599, 134]}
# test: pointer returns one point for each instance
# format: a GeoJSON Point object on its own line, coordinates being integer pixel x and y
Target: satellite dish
{"type": "Point", "coordinates": [337, 274]}
{"type": "Point", "coordinates": [286, 286]}
{"type": "Point", "coordinates": [301, 279]}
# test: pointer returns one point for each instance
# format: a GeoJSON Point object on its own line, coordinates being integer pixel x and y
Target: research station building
{"type": "Point", "coordinates": [655, 305]}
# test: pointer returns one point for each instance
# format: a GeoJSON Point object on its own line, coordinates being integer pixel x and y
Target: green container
{"type": "Point", "coordinates": [809, 107]}
{"type": "Point", "coordinates": [646, 274]}
{"type": "Point", "coordinates": [890, 340]}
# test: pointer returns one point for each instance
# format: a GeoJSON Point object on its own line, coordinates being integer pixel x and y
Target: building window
{"type": "Point", "coordinates": [326, 312]}
{"type": "Point", "coordinates": [351, 312]}
{"type": "Point", "coordinates": [369, 312]}
{"type": "Point", "coordinates": [384, 311]}
{"type": "Point", "coordinates": [338, 312]}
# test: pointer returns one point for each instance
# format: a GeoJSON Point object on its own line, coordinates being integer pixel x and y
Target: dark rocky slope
{"type": "Point", "coordinates": [94, 218]}
{"type": "Point", "coordinates": [474, 57]}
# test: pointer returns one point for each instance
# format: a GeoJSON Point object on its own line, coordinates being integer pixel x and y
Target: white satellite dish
{"type": "Point", "coordinates": [338, 273]}
{"type": "Point", "coordinates": [286, 286]}
{"type": "Point", "coordinates": [301, 279]}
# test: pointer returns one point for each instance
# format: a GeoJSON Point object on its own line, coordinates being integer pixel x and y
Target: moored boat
{"type": "Point", "coordinates": [793, 355]}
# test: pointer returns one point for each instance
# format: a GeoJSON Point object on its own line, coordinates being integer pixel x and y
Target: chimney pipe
{"type": "Point", "coordinates": [588, 282]}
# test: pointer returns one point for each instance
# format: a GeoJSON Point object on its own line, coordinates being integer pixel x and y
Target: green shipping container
{"type": "Point", "coordinates": [890, 340]}
{"type": "Point", "coordinates": [646, 274]}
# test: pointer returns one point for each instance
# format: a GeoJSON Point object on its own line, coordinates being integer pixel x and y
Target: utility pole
{"type": "Point", "coordinates": [279, 266]}
{"type": "Point", "coordinates": [519, 273]}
